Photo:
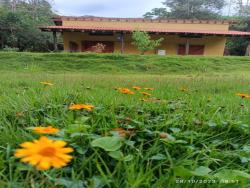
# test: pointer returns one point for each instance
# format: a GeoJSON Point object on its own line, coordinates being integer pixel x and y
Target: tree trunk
{"type": "Point", "coordinates": [13, 5]}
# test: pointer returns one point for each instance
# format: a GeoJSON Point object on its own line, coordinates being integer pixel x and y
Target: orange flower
{"type": "Point", "coordinates": [81, 106]}
{"type": "Point", "coordinates": [46, 83]}
{"type": "Point", "coordinates": [149, 89]}
{"type": "Point", "coordinates": [136, 88]}
{"type": "Point", "coordinates": [146, 94]}
{"type": "Point", "coordinates": [122, 132]}
{"type": "Point", "coordinates": [126, 91]}
{"type": "Point", "coordinates": [45, 153]}
{"type": "Point", "coordinates": [45, 130]}
{"type": "Point", "coordinates": [243, 95]}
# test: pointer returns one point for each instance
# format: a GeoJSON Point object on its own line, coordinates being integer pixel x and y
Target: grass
{"type": "Point", "coordinates": [107, 63]}
{"type": "Point", "coordinates": [207, 126]}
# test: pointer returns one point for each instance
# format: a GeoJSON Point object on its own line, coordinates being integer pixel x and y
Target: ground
{"type": "Point", "coordinates": [193, 131]}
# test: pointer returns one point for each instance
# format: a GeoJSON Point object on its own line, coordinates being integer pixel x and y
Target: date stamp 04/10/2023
{"type": "Point", "coordinates": [200, 181]}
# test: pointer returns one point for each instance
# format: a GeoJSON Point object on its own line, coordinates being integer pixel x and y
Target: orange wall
{"type": "Point", "coordinates": [151, 25]}
{"type": "Point", "coordinates": [214, 45]}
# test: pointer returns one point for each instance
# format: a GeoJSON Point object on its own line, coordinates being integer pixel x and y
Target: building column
{"type": "Point", "coordinates": [122, 42]}
{"type": "Point", "coordinates": [55, 41]}
{"type": "Point", "coordinates": [1, 40]}
{"type": "Point", "coordinates": [248, 50]}
{"type": "Point", "coordinates": [187, 47]}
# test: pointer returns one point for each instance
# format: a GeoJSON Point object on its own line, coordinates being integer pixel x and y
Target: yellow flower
{"type": "Point", "coordinates": [126, 91]}
{"type": "Point", "coordinates": [146, 94]}
{"type": "Point", "coordinates": [136, 88]}
{"type": "Point", "coordinates": [149, 89]}
{"type": "Point", "coordinates": [45, 153]}
{"type": "Point", "coordinates": [45, 130]}
{"type": "Point", "coordinates": [81, 106]}
{"type": "Point", "coordinates": [46, 83]}
{"type": "Point", "coordinates": [243, 95]}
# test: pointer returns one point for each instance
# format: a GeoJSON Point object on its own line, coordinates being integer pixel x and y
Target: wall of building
{"type": "Point", "coordinates": [214, 45]}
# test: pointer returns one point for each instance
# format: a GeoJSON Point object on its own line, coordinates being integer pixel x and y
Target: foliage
{"type": "Point", "coordinates": [143, 41]}
{"type": "Point", "coordinates": [238, 45]}
{"type": "Point", "coordinates": [198, 134]}
{"type": "Point", "coordinates": [19, 27]}
{"type": "Point", "coordinates": [188, 9]}
{"type": "Point", "coordinates": [200, 9]}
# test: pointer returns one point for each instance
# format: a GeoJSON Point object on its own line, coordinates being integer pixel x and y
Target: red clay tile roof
{"type": "Point", "coordinates": [94, 28]}
{"type": "Point", "coordinates": [94, 18]}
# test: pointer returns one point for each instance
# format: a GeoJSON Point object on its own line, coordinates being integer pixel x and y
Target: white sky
{"type": "Point", "coordinates": [106, 8]}
{"type": "Point", "coordinates": [110, 8]}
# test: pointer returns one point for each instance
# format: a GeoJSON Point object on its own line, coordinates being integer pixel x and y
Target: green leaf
{"type": "Point", "coordinates": [175, 130]}
{"type": "Point", "coordinates": [69, 183]}
{"type": "Point", "coordinates": [128, 158]}
{"type": "Point", "coordinates": [82, 119]}
{"type": "Point", "coordinates": [246, 149]}
{"type": "Point", "coordinates": [182, 172]}
{"type": "Point", "coordinates": [108, 143]}
{"type": "Point", "coordinates": [232, 175]}
{"type": "Point", "coordinates": [158, 157]}
{"type": "Point", "coordinates": [118, 155]}
{"type": "Point", "coordinates": [201, 171]}
{"type": "Point", "coordinates": [245, 159]}
{"type": "Point", "coordinates": [77, 128]}
{"type": "Point", "coordinates": [99, 182]}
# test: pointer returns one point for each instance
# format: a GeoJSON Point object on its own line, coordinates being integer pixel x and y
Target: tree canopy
{"type": "Point", "coordinates": [19, 22]}
{"type": "Point", "coordinates": [188, 9]}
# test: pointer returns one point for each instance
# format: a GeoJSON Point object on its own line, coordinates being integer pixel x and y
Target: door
{"type": "Point", "coordinates": [193, 50]}
{"type": "Point", "coordinates": [98, 46]}
{"type": "Point", "coordinates": [73, 47]}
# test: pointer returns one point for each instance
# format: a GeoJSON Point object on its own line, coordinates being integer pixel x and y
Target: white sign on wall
{"type": "Point", "coordinates": [161, 52]}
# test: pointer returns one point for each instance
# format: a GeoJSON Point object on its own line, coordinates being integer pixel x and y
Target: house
{"type": "Point", "coordinates": [114, 35]}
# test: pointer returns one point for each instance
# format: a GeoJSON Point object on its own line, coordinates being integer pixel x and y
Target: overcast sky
{"type": "Point", "coordinates": [109, 8]}
{"type": "Point", "coordinates": [106, 8]}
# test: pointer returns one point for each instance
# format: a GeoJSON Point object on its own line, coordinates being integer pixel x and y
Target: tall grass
{"type": "Point", "coordinates": [207, 126]}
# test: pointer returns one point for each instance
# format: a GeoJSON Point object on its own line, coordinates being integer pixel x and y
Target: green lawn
{"type": "Point", "coordinates": [200, 135]}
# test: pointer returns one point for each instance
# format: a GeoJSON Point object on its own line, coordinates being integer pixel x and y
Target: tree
{"type": "Point", "coordinates": [158, 12]}
{"type": "Point", "coordinates": [238, 45]}
{"type": "Point", "coordinates": [188, 9]}
{"type": "Point", "coordinates": [19, 28]}
{"type": "Point", "coordinates": [243, 8]}
{"type": "Point", "coordinates": [143, 41]}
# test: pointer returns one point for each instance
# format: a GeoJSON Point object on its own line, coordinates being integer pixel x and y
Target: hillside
{"type": "Point", "coordinates": [115, 63]}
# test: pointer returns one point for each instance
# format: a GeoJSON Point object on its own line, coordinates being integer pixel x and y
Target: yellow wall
{"type": "Point", "coordinates": [214, 45]}
{"type": "Point", "coordinates": [150, 25]}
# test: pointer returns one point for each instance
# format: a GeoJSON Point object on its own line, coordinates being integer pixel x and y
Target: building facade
{"type": "Point", "coordinates": [114, 35]}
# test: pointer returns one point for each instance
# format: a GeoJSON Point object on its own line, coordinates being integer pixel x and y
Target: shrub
{"type": "Point", "coordinates": [143, 41]}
